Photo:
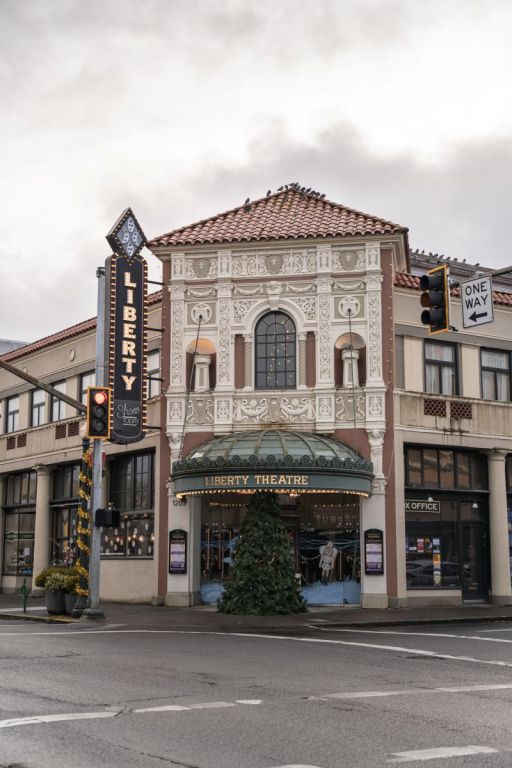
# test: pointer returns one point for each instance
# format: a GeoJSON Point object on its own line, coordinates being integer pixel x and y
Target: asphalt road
{"type": "Point", "coordinates": [86, 696]}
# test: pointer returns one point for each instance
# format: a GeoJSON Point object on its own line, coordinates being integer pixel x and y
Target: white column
{"type": "Point", "coordinates": [350, 358]}
{"type": "Point", "coordinates": [373, 587]}
{"type": "Point", "coordinates": [42, 526]}
{"type": "Point", "coordinates": [501, 592]}
{"type": "Point", "coordinates": [202, 373]}
{"type": "Point", "coordinates": [184, 589]}
{"type": "Point", "coordinates": [248, 352]}
{"type": "Point", "coordinates": [302, 360]}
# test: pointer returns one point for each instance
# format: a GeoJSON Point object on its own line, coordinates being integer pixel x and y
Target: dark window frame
{"type": "Point", "coordinates": [477, 464]}
{"type": "Point", "coordinates": [56, 403]}
{"type": "Point", "coordinates": [496, 372]}
{"type": "Point", "coordinates": [441, 364]}
{"type": "Point", "coordinates": [12, 416]}
{"type": "Point", "coordinates": [267, 344]}
{"type": "Point", "coordinates": [37, 408]}
{"type": "Point", "coordinates": [82, 392]}
{"type": "Point", "coordinates": [154, 386]}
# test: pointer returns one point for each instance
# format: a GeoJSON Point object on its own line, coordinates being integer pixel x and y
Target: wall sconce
{"type": "Point", "coordinates": [430, 499]}
{"type": "Point", "coordinates": [474, 505]}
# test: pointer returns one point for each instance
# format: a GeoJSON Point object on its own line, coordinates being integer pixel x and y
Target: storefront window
{"type": "Point", "coordinates": [64, 505]}
{"type": "Point", "coordinates": [445, 468]}
{"type": "Point", "coordinates": [132, 493]}
{"type": "Point", "coordinates": [323, 534]}
{"type": "Point", "coordinates": [19, 524]}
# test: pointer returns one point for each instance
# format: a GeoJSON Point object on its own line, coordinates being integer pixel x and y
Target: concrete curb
{"type": "Point", "coordinates": [41, 619]}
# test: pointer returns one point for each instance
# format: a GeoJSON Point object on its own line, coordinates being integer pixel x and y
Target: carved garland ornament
{"type": "Point", "coordinates": [176, 343]}
{"type": "Point", "coordinates": [224, 341]}
{"type": "Point", "coordinates": [374, 335]}
{"type": "Point", "coordinates": [324, 332]}
{"type": "Point", "coordinates": [274, 409]}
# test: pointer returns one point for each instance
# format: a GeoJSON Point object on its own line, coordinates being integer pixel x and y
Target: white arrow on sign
{"type": "Point", "coordinates": [477, 306]}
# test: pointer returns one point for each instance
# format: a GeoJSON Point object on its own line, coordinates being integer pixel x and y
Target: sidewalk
{"type": "Point", "coordinates": [207, 618]}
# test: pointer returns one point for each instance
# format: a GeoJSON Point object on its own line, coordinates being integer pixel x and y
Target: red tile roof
{"type": "Point", "coordinates": [67, 333]}
{"type": "Point", "coordinates": [285, 215]}
{"type": "Point", "coordinates": [403, 280]}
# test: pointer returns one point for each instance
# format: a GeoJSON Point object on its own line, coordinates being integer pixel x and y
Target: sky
{"type": "Point", "coordinates": [182, 109]}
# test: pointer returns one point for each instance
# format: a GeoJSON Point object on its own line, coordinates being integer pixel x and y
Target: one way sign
{"type": "Point", "coordinates": [477, 307]}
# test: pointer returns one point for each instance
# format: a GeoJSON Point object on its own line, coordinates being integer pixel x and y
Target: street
{"type": "Point", "coordinates": [314, 696]}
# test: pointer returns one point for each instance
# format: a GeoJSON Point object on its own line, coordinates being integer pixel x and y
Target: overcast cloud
{"type": "Point", "coordinates": [183, 108]}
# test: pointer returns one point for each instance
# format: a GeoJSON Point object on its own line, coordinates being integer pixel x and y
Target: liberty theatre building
{"type": "Point", "coordinates": [278, 347]}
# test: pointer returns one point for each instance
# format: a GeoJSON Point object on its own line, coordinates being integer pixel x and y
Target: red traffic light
{"type": "Point", "coordinates": [100, 397]}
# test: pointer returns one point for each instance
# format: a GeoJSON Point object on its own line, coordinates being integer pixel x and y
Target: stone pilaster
{"type": "Point", "coordinates": [248, 354]}
{"type": "Point", "coordinates": [42, 526]}
{"type": "Point", "coordinates": [302, 360]}
{"type": "Point", "coordinates": [501, 592]}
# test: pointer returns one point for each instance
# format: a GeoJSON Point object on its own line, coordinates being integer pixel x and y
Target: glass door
{"type": "Point", "coordinates": [474, 572]}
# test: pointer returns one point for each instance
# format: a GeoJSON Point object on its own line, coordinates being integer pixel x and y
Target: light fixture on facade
{"type": "Point", "coordinates": [430, 499]}
{"type": "Point", "coordinates": [474, 505]}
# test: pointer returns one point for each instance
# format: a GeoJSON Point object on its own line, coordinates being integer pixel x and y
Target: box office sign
{"type": "Point", "coordinates": [177, 551]}
{"type": "Point", "coordinates": [422, 505]}
{"type": "Point", "coordinates": [126, 274]}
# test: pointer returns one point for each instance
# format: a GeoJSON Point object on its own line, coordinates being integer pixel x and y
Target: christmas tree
{"type": "Point", "coordinates": [262, 579]}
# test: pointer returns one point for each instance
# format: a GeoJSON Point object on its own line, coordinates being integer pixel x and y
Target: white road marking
{"type": "Point", "coordinates": [498, 630]}
{"type": "Point", "coordinates": [296, 765]}
{"type": "Point", "coordinates": [15, 722]}
{"type": "Point", "coordinates": [439, 753]}
{"type": "Point", "coordinates": [418, 634]}
{"type": "Point", "coordinates": [37, 719]}
{"type": "Point", "coordinates": [412, 691]}
{"type": "Point", "coordinates": [252, 635]}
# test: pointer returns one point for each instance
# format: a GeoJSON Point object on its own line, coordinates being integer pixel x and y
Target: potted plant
{"type": "Point", "coordinates": [54, 592]}
{"type": "Point", "coordinates": [70, 584]}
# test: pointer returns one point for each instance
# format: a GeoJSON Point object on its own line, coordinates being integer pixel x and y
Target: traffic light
{"type": "Point", "coordinates": [436, 299]}
{"type": "Point", "coordinates": [98, 412]}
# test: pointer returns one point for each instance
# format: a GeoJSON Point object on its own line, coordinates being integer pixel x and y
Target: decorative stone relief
{"type": "Point", "coordinates": [324, 333]}
{"type": "Point", "coordinates": [372, 257]}
{"type": "Point", "coordinates": [178, 268]}
{"type": "Point", "coordinates": [307, 305]}
{"type": "Point", "coordinates": [200, 411]}
{"type": "Point", "coordinates": [256, 265]}
{"type": "Point", "coordinates": [177, 361]}
{"type": "Point", "coordinates": [294, 410]}
{"type": "Point", "coordinates": [375, 406]}
{"type": "Point", "coordinates": [274, 290]}
{"type": "Point", "coordinates": [299, 288]}
{"type": "Point", "coordinates": [201, 267]}
{"type": "Point", "coordinates": [222, 410]}
{"type": "Point", "coordinates": [244, 290]}
{"type": "Point", "coordinates": [175, 412]}
{"type": "Point", "coordinates": [349, 305]}
{"type": "Point", "coordinates": [374, 334]}
{"type": "Point", "coordinates": [240, 310]}
{"type": "Point", "coordinates": [344, 407]}
{"type": "Point", "coordinates": [323, 258]}
{"type": "Point", "coordinates": [348, 261]}
{"type": "Point", "coordinates": [378, 485]}
{"type": "Point", "coordinates": [224, 265]}
{"type": "Point", "coordinates": [224, 354]}
{"type": "Point", "coordinates": [324, 408]}
{"type": "Point", "coordinates": [341, 285]}
{"type": "Point", "coordinates": [376, 440]}
{"type": "Point", "coordinates": [201, 293]}
{"type": "Point", "coordinates": [205, 310]}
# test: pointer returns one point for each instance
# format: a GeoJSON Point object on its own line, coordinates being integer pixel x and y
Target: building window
{"type": "Point", "coordinates": [57, 405]}
{"type": "Point", "coordinates": [153, 370]}
{"type": "Point", "coordinates": [19, 524]}
{"type": "Point", "coordinates": [440, 368]}
{"type": "Point", "coordinates": [86, 380]}
{"type": "Point", "coordinates": [275, 352]}
{"type": "Point", "coordinates": [132, 493]}
{"type": "Point", "coordinates": [445, 469]}
{"type": "Point", "coordinates": [12, 409]}
{"type": "Point", "coordinates": [38, 416]}
{"type": "Point", "coordinates": [495, 375]}
{"type": "Point", "coordinates": [64, 506]}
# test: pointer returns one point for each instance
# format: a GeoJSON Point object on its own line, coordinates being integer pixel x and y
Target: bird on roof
{"type": "Point", "coordinates": [269, 192]}
{"type": "Point", "coordinates": [247, 201]}
{"type": "Point", "coordinates": [280, 189]}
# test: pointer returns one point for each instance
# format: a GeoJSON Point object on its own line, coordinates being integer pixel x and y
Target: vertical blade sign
{"type": "Point", "coordinates": [126, 272]}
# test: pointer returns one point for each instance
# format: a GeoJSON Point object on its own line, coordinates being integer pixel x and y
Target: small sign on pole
{"type": "Point", "coordinates": [476, 297]}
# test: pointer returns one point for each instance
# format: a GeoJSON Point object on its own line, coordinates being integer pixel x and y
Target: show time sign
{"type": "Point", "coordinates": [126, 272]}
{"type": "Point", "coordinates": [476, 297]}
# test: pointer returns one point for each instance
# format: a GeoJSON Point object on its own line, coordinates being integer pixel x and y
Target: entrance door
{"type": "Point", "coordinates": [474, 576]}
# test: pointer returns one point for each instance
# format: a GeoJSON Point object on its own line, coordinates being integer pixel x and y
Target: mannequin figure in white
{"type": "Point", "coordinates": [328, 554]}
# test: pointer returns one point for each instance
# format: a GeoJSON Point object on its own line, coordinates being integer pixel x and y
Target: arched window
{"type": "Point", "coordinates": [275, 352]}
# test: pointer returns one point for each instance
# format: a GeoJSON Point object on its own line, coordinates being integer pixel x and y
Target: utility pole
{"type": "Point", "coordinates": [93, 611]}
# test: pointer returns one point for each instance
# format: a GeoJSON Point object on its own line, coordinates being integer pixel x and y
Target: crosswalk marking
{"type": "Point", "coordinates": [438, 753]}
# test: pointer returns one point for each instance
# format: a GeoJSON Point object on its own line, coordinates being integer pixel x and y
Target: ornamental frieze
{"type": "Point", "coordinates": [279, 263]}
{"type": "Point", "coordinates": [272, 410]}
{"type": "Point", "coordinates": [200, 411]}
{"type": "Point", "coordinates": [348, 261]}
{"type": "Point", "coordinates": [344, 406]}
{"type": "Point", "coordinates": [201, 267]}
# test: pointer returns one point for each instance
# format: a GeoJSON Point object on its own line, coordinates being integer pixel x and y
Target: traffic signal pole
{"type": "Point", "coordinates": [93, 611]}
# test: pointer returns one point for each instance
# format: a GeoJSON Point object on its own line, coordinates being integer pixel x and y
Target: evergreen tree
{"type": "Point", "coordinates": [262, 579]}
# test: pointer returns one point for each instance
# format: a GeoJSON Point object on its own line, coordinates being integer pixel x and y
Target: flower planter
{"type": "Point", "coordinates": [55, 601]}
{"type": "Point", "coordinates": [69, 602]}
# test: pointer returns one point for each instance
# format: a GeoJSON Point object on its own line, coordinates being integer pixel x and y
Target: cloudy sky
{"type": "Point", "coordinates": [183, 108]}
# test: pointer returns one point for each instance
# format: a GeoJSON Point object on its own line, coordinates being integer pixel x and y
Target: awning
{"type": "Point", "coordinates": [272, 460]}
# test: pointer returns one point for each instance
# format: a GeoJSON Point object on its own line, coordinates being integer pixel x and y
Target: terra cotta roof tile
{"type": "Point", "coordinates": [285, 215]}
